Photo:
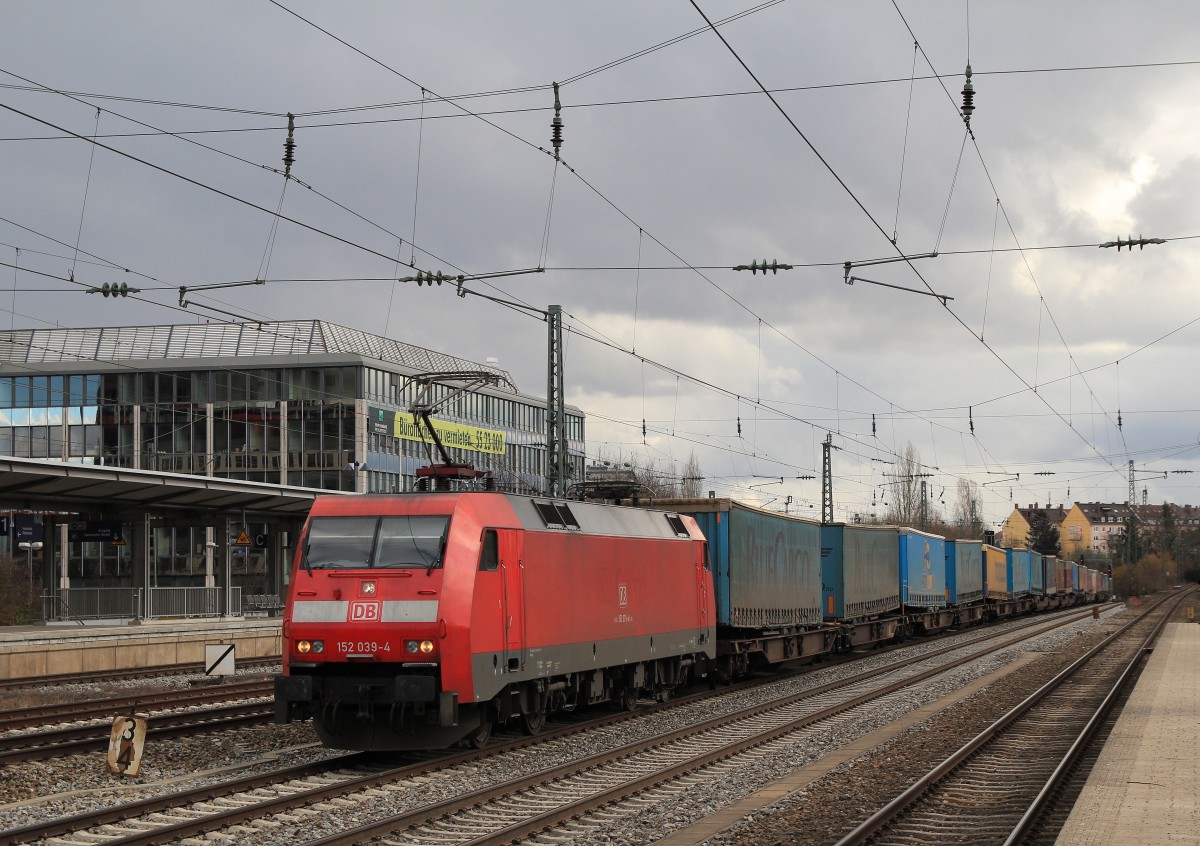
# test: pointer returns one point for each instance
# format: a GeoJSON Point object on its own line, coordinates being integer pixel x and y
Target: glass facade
{"type": "Point", "coordinates": [300, 425]}
{"type": "Point", "coordinates": [294, 426]}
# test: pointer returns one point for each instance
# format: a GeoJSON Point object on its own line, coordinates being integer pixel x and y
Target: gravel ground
{"type": "Point", "coordinates": [34, 791]}
{"type": "Point", "coordinates": [71, 785]}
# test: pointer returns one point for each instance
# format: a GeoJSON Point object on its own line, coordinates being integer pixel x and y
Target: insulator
{"type": "Point", "coordinates": [968, 95]}
{"type": "Point", "coordinates": [971, 418]}
{"type": "Point", "coordinates": [289, 146]}
{"type": "Point", "coordinates": [739, 426]}
{"type": "Point", "coordinates": [872, 425]}
{"type": "Point", "coordinates": [1118, 418]}
{"type": "Point", "coordinates": [556, 125]}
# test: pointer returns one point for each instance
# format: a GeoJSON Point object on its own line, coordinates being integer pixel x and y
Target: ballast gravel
{"type": "Point", "coordinates": [37, 791]}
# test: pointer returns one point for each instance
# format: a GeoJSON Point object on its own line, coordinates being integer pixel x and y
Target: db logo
{"type": "Point", "coordinates": [622, 595]}
{"type": "Point", "coordinates": [364, 612]}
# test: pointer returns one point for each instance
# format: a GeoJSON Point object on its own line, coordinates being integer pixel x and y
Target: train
{"type": "Point", "coordinates": [423, 620]}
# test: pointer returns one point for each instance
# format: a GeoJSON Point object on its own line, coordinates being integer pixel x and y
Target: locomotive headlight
{"type": "Point", "coordinates": [318, 646]}
{"type": "Point", "coordinates": [411, 646]}
{"type": "Point", "coordinates": [303, 646]}
{"type": "Point", "coordinates": [427, 646]}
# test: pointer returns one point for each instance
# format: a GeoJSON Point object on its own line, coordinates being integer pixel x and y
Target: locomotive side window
{"type": "Point", "coordinates": [489, 553]}
{"type": "Point", "coordinates": [411, 541]}
{"type": "Point", "coordinates": [557, 515]}
{"type": "Point", "coordinates": [363, 542]}
{"type": "Point", "coordinates": [337, 542]}
{"type": "Point", "coordinates": [677, 525]}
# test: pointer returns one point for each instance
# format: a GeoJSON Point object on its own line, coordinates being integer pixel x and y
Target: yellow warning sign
{"type": "Point", "coordinates": [243, 539]}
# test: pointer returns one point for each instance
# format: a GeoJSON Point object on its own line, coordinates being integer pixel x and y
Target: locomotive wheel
{"type": "Point", "coordinates": [533, 723]}
{"type": "Point", "coordinates": [629, 698]}
{"type": "Point", "coordinates": [479, 738]}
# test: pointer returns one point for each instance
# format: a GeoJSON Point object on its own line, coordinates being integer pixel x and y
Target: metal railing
{"type": "Point", "coordinates": [93, 604]}
{"type": "Point", "coordinates": [192, 602]}
{"type": "Point", "coordinates": [126, 603]}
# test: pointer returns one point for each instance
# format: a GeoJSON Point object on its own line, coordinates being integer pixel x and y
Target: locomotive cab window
{"type": "Point", "coordinates": [366, 542]}
{"type": "Point", "coordinates": [489, 552]}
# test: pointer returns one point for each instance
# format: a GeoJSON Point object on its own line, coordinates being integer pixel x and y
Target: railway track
{"type": "Point", "coordinates": [1002, 786]}
{"type": "Point", "coordinates": [134, 673]}
{"type": "Point", "coordinates": [627, 767]}
{"type": "Point", "coordinates": [25, 746]}
{"type": "Point", "coordinates": [107, 707]}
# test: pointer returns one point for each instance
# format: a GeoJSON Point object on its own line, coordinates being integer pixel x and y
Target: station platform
{"type": "Point", "coordinates": [1143, 789]}
{"type": "Point", "coordinates": [55, 649]}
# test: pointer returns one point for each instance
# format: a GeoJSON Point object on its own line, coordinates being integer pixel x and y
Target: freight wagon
{"type": "Point", "coordinates": [964, 579]}
{"type": "Point", "coordinates": [860, 582]}
{"type": "Point", "coordinates": [766, 571]}
{"type": "Point", "coordinates": [924, 589]}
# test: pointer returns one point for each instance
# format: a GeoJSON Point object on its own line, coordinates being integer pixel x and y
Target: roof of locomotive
{"type": "Point", "coordinates": [533, 513]}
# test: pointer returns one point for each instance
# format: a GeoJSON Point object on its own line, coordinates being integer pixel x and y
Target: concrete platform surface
{"type": "Point", "coordinates": [34, 651]}
{"type": "Point", "coordinates": [1145, 788]}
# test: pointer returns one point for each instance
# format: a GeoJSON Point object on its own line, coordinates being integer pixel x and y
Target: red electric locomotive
{"type": "Point", "coordinates": [418, 620]}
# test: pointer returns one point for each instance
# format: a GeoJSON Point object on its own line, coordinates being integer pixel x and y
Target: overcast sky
{"type": "Point", "coordinates": [675, 167]}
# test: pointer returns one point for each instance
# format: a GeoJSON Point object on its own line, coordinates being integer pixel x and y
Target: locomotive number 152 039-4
{"type": "Point", "coordinates": [360, 646]}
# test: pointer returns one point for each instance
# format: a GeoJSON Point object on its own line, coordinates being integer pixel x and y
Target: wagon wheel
{"type": "Point", "coordinates": [629, 698]}
{"type": "Point", "coordinates": [479, 738]}
{"type": "Point", "coordinates": [533, 723]}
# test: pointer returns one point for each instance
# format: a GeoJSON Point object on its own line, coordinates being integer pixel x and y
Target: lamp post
{"type": "Point", "coordinates": [29, 547]}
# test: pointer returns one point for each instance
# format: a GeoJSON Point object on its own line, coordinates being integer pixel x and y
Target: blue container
{"type": "Point", "coordinates": [964, 571]}
{"type": "Point", "coordinates": [1050, 574]}
{"type": "Point", "coordinates": [923, 570]}
{"type": "Point", "coordinates": [1037, 574]}
{"type": "Point", "coordinates": [1075, 577]}
{"type": "Point", "coordinates": [766, 566]}
{"type": "Point", "coordinates": [860, 571]}
{"type": "Point", "coordinates": [1018, 572]}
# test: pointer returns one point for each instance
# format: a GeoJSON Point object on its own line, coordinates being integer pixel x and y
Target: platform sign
{"type": "Point", "coordinates": [27, 527]}
{"type": "Point", "coordinates": [1191, 613]}
{"type": "Point", "coordinates": [125, 745]}
{"type": "Point", "coordinates": [219, 659]}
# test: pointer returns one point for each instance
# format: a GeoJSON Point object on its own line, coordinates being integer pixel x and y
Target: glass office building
{"type": "Point", "coordinates": [291, 403]}
{"type": "Point", "coordinates": [306, 403]}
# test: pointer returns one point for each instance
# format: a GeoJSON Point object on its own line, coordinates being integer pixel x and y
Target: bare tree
{"type": "Point", "coordinates": [968, 511]}
{"type": "Point", "coordinates": [690, 486]}
{"type": "Point", "coordinates": [658, 477]}
{"type": "Point", "coordinates": [907, 506]}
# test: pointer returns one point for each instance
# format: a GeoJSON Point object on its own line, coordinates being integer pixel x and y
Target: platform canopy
{"type": "Point", "coordinates": [42, 485]}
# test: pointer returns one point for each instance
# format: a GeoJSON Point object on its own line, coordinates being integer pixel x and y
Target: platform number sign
{"type": "Point", "coordinates": [125, 745]}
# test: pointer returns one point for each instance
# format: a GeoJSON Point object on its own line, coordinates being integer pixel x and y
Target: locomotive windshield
{"type": "Point", "coordinates": [364, 542]}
